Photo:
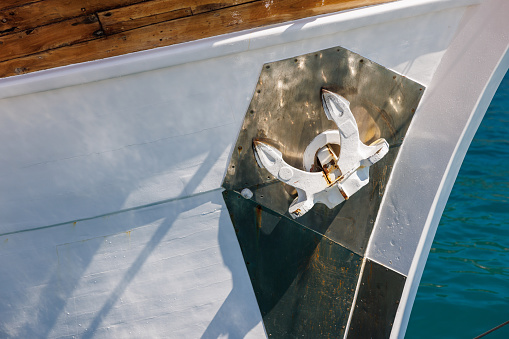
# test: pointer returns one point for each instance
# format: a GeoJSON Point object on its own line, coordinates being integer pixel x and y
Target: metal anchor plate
{"type": "Point", "coordinates": [341, 176]}
{"type": "Point", "coordinates": [308, 157]}
{"type": "Point", "coordinates": [286, 112]}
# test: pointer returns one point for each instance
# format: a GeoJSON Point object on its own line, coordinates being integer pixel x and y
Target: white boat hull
{"type": "Point", "coordinates": [112, 222]}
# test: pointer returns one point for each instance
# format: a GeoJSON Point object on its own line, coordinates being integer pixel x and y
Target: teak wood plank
{"type": "Point", "coordinates": [222, 21]}
{"type": "Point", "coordinates": [47, 37]}
{"type": "Point", "coordinates": [15, 3]}
{"type": "Point", "coordinates": [142, 14]}
{"type": "Point", "coordinates": [202, 6]}
{"type": "Point", "coordinates": [34, 14]}
{"type": "Point", "coordinates": [151, 12]}
{"type": "Point", "coordinates": [49, 11]}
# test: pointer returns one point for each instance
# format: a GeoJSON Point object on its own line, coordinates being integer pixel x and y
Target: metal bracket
{"type": "Point", "coordinates": [341, 175]}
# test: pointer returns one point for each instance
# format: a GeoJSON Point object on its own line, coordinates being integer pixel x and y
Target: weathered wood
{"type": "Point", "coordinates": [151, 12]}
{"type": "Point", "coordinates": [202, 6]}
{"type": "Point", "coordinates": [48, 37]}
{"type": "Point", "coordinates": [6, 4]}
{"type": "Point", "coordinates": [222, 21]}
{"type": "Point", "coordinates": [29, 14]}
{"type": "Point", "coordinates": [50, 11]}
{"type": "Point", "coordinates": [142, 14]}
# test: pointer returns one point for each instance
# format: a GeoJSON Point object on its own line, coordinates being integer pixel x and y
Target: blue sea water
{"type": "Point", "coordinates": [464, 289]}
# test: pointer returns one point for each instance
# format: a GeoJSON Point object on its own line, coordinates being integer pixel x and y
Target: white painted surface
{"type": "Point", "coordinates": [441, 131]}
{"type": "Point", "coordinates": [170, 270]}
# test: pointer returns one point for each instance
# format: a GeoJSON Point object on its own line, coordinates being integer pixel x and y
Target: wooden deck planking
{"type": "Point", "coordinates": [127, 26]}
{"type": "Point", "coordinates": [49, 11]}
{"type": "Point", "coordinates": [202, 6]}
{"type": "Point", "coordinates": [142, 14]}
{"type": "Point", "coordinates": [6, 4]}
{"type": "Point", "coordinates": [52, 36]}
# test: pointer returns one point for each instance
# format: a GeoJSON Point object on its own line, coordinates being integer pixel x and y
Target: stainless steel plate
{"type": "Point", "coordinates": [286, 109]}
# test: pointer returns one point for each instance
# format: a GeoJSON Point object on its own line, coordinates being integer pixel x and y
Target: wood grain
{"type": "Point", "coordinates": [6, 4]}
{"type": "Point", "coordinates": [142, 14]}
{"type": "Point", "coordinates": [50, 11]}
{"type": "Point", "coordinates": [48, 37]}
{"type": "Point", "coordinates": [202, 6]}
{"type": "Point", "coordinates": [151, 12]}
{"type": "Point", "coordinates": [124, 39]}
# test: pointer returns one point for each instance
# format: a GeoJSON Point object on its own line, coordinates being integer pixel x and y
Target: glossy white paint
{"type": "Point", "coordinates": [122, 145]}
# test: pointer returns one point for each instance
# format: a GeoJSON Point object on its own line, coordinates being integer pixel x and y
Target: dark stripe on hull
{"type": "Point", "coordinates": [377, 302]}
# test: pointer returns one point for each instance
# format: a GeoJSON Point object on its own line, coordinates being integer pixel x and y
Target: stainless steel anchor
{"type": "Point", "coordinates": [341, 176]}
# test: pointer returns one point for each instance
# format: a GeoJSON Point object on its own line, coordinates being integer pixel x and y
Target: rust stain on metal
{"type": "Point", "coordinates": [331, 166]}
{"type": "Point", "coordinates": [258, 219]}
{"type": "Point", "coordinates": [330, 183]}
{"type": "Point", "coordinates": [343, 193]}
{"type": "Point", "coordinates": [326, 177]}
{"type": "Point", "coordinates": [317, 252]}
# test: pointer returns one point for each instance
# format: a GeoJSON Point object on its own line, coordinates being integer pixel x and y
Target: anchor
{"type": "Point", "coordinates": [341, 175]}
